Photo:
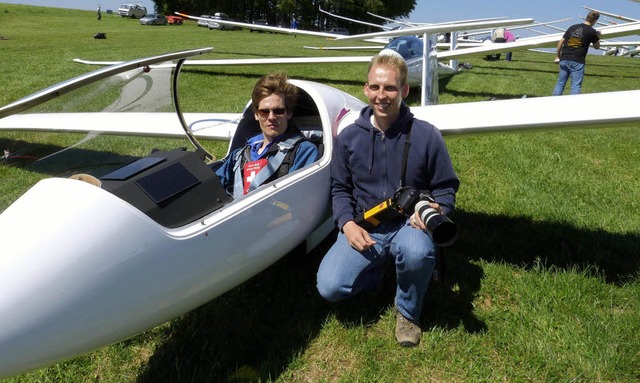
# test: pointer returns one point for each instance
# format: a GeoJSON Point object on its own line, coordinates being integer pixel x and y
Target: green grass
{"type": "Point", "coordinates": [541, 286]}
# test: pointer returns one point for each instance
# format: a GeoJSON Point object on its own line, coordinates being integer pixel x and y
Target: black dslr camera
{"type": "Point", "coordinates": [406, 200]}
{"type": "Point", "coordinates": [390, 209]}
{"type": "Point", "coordinates": [442, 230]}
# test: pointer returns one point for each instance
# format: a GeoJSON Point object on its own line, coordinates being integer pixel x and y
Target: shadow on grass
{"type": "Point", "coordinates": [522, 242]}
{"type": "Point", "coordinates": [415, 96]}
{"type": "Point", "coordinates": [506, 70]}
{"type": "Point", "coordinates": [597, 70]}
{"type": "Point", "coordinates": [256, 330]}
{"type": "Point", "coordinates": [258, 327]}
{"type": "Point", "coordinates": [619, 65]}
{"type": "Point", "coordinates": [22, 153]}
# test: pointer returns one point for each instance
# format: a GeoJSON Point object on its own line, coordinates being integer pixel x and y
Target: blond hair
{"type": "Point", "coordinates": [392, 61]}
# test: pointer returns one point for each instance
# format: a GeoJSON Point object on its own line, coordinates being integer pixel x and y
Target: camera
{"type": "Point", "coordinates": [390, 209]}
{"type": "Point", "coordinates": [442, 230]}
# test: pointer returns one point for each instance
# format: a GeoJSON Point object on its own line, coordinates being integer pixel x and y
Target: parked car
{"type": "Point", "coordinates": [259, 22]}
{"type": "Point", "coordinates": [135, 11]}
{"type": "Point", "coordinates": [204, 23]}
{"type": "Point", "coordinates": [174, 20]}
{"type": "Point", "coordinates": [153, 19]}
{"type": "Point", "coordinates": [339, 31]}
{"type": "Point", "coordinates": [221, 16]}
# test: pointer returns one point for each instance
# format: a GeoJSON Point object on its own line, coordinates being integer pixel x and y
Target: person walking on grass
{"type": "Point", "coordinates": [572, 52]}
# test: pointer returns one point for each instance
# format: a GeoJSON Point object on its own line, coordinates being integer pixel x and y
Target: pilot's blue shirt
{"type": "Point", "coordinates": [306, 153]}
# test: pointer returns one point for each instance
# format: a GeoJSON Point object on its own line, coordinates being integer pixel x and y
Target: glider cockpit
{"type": "Point", "coordinates": [174, 187]}
{"type": "Point", "coordinates": [408, 47]}
{"type": "Point", "coordinates": [177, 187]}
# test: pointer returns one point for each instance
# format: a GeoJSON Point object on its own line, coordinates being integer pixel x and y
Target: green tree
{"type": "Point", "coordinates": [307, 12]}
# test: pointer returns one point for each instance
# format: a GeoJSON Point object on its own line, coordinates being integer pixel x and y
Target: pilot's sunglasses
{"type": "Point", "coordinates": [264, 113]}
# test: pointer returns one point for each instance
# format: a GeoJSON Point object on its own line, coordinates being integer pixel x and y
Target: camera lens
{"type": "Point", "coordinates": [442, 230]}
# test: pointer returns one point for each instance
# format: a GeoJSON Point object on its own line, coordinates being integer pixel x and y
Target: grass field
{"type": "Point", "coordinates": [543, 284]}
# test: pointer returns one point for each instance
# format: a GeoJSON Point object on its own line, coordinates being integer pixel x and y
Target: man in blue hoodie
{"type": "Point", "coordinates": [366, 169]}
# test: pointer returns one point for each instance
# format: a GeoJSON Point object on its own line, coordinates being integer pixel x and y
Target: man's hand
{"type": "Point", "coordinates": [417, 222]}
{"type": "Point", "coordinates": [357, 237]}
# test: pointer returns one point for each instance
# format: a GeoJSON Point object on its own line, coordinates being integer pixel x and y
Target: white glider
{"type": "Point", "coordinates": [159, 237]}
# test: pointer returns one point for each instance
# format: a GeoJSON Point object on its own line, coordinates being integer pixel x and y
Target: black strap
{"type": "Point", "coordinates": [405, 153]}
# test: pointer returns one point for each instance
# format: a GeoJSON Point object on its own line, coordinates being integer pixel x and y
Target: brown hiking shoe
{"type": "Point", "coordinates": [407, 333]}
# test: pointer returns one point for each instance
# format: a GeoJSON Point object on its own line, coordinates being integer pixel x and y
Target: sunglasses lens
{"type": "Point", "coordinates": [264, 113]}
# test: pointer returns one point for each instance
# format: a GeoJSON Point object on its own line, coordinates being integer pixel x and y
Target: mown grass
{"type": "Point", "coordinates": [541, 286]}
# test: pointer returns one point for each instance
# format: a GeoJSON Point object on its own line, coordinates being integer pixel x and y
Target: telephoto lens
{"type": "Point", "coordinates": [442, 230]}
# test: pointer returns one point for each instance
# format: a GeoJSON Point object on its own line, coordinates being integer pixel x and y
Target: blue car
{"type": "Point", "coordinates": [153, 19]}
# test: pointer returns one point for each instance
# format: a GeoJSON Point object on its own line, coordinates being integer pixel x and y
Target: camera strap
{"type": "Point", "coordinates": [386, 210]}
{"type": "Point", "coordinates": [405, 153]}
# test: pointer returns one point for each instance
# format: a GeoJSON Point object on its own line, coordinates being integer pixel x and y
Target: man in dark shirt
{"type": "Point", "coordinates": [572, 50]}
{"type": "Point", "coordinates": [367, 167]}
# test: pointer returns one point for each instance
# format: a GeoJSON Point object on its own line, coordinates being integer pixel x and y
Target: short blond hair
{"type": "Point", "coordinates": [392, 61]}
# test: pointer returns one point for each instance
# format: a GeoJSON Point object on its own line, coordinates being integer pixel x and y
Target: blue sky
{"type": "Point", "coordinates": [540, 10]}
{"type": "Point", "coordinates": [435, 11]}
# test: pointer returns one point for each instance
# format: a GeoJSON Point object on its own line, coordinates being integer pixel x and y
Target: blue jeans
{"type": "Point", "coordinates": [345, 271]}
{"type": "Point", "coordinates": [568, 69]}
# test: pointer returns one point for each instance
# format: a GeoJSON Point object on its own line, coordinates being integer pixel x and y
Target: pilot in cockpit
{"type": "Point", "coordinates": [280, 148]}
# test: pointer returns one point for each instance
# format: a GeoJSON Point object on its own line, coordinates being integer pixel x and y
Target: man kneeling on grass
{"type": "Point", "coordinates": [367, 168]}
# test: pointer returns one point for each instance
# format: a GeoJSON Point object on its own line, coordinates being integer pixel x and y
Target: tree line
{"type": "Point", "coordinates": [306, 12]}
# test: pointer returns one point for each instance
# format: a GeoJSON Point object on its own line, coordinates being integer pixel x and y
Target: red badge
{"type": "Point", "coordinates": [250, 170]}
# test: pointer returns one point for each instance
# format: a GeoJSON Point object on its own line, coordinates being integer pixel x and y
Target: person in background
{"type": "Point", "coordinates": [99, 13]}
{"type": "Point", "coordinates": [367, 168]}
{"type": "Point", "coordinates": [497, 36]}
{"type": "Point", "coordinates": [509, 38]}
{"type": "Point", "coordinates": [278, 150]}
{"type": "Point", "coordinates": [572, 52]}
{"type": "Point", "coordinates": [502, 35]}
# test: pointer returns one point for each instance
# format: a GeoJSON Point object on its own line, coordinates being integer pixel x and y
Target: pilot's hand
{"type": "Point", "coordinates": [556, 60]}
{"type": "Point", "coordinates": [357, 237]}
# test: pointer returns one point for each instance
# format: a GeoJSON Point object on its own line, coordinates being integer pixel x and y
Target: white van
{"type": "Point", "coordinates": [135, 11]}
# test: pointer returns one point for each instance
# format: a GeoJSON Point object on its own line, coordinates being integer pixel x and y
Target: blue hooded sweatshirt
{"type": "Point", "coordinates": [366, 165]}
